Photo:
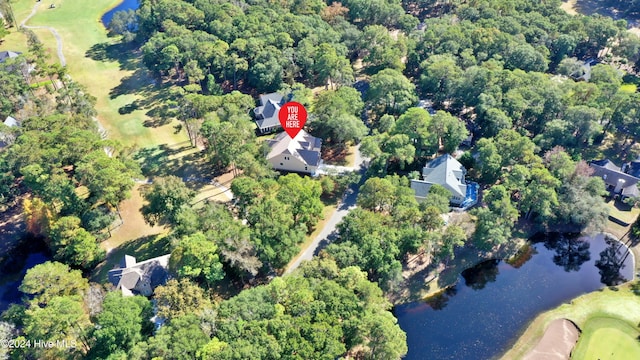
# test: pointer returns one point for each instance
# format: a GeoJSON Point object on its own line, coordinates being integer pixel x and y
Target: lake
{"type": "Point", "coordinates": [484, 314]}
{"type": "Point", "coordinates": [124, 5]}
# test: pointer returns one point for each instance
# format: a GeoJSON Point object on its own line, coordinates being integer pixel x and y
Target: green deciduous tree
{"type": "Point", "coordinates": [180, 339]}
{"type": "Point", "coordinates": [74, 245]}
{"type": "Point", "coordinates": [449, 130]}
{"type": "Point", "coordinates": [416, 123]}
{"type": "Point", "coordinates": [179, 298]}
{"type": "Point", "coordinates": [196, 257]}
{"type": "Point", "coordinates": [453, 236]}
{"type": "Point", "coordinates": [165, 198]}
{"type": "Point", "coordinates": [391, 92]}
{"type": "Point", "coordinates": [123, 322]}
{"type": "Point", "coordinates": [51, 279]}
{"type": "Point", "coordinates": [108, 178]}
{"type": "Point", "coordinates": [274, 232]}
{"type": "Point", "coordinates": [303, 195]}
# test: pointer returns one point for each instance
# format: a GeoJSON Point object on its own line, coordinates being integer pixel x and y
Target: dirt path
{"type": "Point", "coordinates": [53, 31]}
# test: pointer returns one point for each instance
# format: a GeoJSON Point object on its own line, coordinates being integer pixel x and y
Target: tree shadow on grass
{"type": "Point", "coordinates": [126, 54]}
{"type": "Point", "coordinates": [160, 115]}
{"type": "Point", "coordinates": [179, 160]}
{"type": "Point", "coordinates": [615, 9]}
{"type": "Point", "coordinates": [138, 82]}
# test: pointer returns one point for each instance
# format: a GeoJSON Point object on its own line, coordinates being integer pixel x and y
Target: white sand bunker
{"type": "Point", "coordinates": [557, 342]}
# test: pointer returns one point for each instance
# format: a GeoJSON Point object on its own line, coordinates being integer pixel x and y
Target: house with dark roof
{"type": "Point", "coordinates": [449, 173]}
{"type": "Point", "coordinates": [299, 154]}
{"type": "Point", "coordinates": [267, 113]}
{"type": "Point", "coordinates": [618, 180]}
{"type": "Point", "coordinates": [4, 55]}
{"type": "Point", "coordinates": [133, 278]}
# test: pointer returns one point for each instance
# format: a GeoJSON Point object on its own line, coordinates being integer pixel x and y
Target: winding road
{"type": "Point", "coordinates": [53, 31]}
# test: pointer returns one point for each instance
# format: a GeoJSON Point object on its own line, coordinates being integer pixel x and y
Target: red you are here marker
{"type": "Point", "coordinates": [292, 116]}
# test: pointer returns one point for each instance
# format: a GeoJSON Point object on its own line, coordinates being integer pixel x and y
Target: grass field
{"type": "Point", "coordinates": [622, 211]}
{"type": "Point", "coordinates": [618, 304]}
{"type": "Point", "coordinates": [127, 97]}
{"type": "Point", "coordinates": [111, 72]}
{"type": "Point", "coordinates": [607, 338]}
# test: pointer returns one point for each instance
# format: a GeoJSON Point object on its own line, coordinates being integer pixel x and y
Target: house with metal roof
{"type": "Point", "coordinates": [267, 113]}
{"type": "Point", "coordinates": [615, 178]}
{"type": "Point", "coordinates": [133, 278]}
{"type": "Point", "coordinates": [449, 173]}
{"type": "Point", "coordinates": [299, 154]}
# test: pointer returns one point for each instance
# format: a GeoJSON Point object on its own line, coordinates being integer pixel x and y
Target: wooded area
{"type": "Point", "coordinates": [540, 91]}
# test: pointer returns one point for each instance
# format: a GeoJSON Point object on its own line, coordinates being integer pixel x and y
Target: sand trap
{"type": "Point", "coordinates": [557, 342]}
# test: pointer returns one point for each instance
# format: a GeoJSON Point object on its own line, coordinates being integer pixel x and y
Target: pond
{"type": "Point", "coordinates": [123, 6]}
{"type": "Point", "coordinates": [29, 254]}
{"type": "Point", "coordinates": [492, 304]}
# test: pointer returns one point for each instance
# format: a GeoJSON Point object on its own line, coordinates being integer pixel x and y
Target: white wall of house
{"type": "Point", "coordinates": [291, 163]}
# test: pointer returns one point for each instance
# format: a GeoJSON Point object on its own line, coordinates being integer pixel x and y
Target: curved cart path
{"type": "Point", "coordinates": [53, 31]}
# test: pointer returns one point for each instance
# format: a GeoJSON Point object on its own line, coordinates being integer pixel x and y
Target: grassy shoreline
{"type": "Point", "coordinates": [620, 304]}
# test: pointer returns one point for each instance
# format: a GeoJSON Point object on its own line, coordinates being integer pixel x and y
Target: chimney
{"type": "Point", "coordinates": [619, 186]}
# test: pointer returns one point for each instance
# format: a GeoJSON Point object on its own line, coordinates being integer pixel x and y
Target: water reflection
{"type": "Point", "coordinates": [570, 252]}
{"type": "Point", "coordinates": [611, 262]}
{"type": "Point", "coordinates": [493, 302]}
{"type": "Point", "coordinates": [478, 276]}
{"type": "Point", "coordinates": [439, 301]}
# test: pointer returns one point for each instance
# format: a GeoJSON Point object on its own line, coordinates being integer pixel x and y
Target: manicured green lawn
{"type": "Point", "coordinates": [606, 303]}
{"type": "Point", "coordinates": [607, 338]}
{"type": "Point", "coordinates": [113, 73]}
{"type": "Point", "coordinates": [110, 71]}
{"type": "Point", "coordinates": [622, 211]}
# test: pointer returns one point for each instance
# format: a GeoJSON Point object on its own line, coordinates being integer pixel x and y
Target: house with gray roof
{"type": "Point", "coordinates": [617, 180]}
{"type": "Point", "coordinates": [133, 278]}
{"type": "Point", "coordinates": [299, 154]}
{"type": "Point", "coordinates": [267, 113]}
{"type": "Point", "coordinates": [4, 55]}
{"type": "Point", "coordinates": [449, 173]}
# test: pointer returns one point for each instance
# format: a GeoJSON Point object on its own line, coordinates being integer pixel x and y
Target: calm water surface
{"type": "Point", "coordinates": [124, 5]}
{"type": "Point", "coordinates": [483, 315]}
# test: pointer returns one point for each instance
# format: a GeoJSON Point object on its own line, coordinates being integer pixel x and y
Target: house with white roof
{"type": "Point", "coordinates": [7, 137]}
{"type": "Point", "coordinates": [142, 278]}
{"type": "Point", "coordinates": [267, 113]}
{"type": "Point", "coordinates": [449, 173]}
{"type": "Point", "coordinates": [300, 154]}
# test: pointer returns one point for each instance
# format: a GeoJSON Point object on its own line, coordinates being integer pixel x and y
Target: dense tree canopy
{"type": "Point", "coordinates": [350, 314]}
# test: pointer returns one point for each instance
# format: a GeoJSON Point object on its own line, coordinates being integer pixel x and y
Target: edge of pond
{"type": "Point", "coordinates": [535, 330]}
{"type": "Point", "coordinates": [502, 253]}
{"type": "Point", "coordinates": [106, 10]}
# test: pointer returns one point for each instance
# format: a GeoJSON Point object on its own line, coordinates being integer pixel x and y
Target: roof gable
{"type": "Point", "coordinates": [448, 172]}
{"type": "Point", "coordinates": [128, 276]}
{"type": "Point", "coordinates": [8, 55]}
{"type": "Point", "coordinates": [11, 122]}
{"type": "Point", "coordinates": [611, 174]}
{"type": "Point", "coordinates": [304, 147]}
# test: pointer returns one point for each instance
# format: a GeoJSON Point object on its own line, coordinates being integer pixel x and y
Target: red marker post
{"type": "Point", "coordinates": [292, 116]}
